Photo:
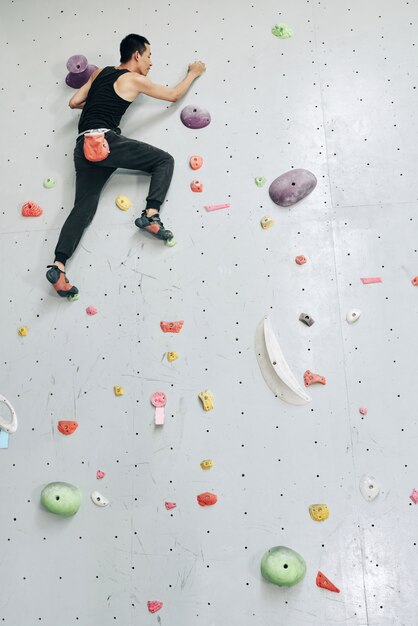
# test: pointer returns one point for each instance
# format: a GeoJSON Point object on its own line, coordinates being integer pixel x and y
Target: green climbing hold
{"type": "Point", "coordinates": [170, 242]}
{"type": "Point", "coordinates": [260, 181]}
{"type": "Point", "coordinates": [283, 566]}
{"type": "Point", "coordinates": [73, 297]}
{"type": "Point", "coordinates": [282, 31]}
{"type": "Point", "coordinates": [61, 498]}
{"type": "Point", "coordinates": [49, 183]}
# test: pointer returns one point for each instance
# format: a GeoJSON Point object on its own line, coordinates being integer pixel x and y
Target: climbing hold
{"type": "Point", "coordinates": [414, 496]}
{"type": "Point", "coordinates": [77, 63]}
{"type": "Point", "coordinates": [154, 606]}
{"type": "Point", "coordinates": [319, 512]}
{"type": "Point", "coordinates": [369, 488]}
{"type": "Point", "coordinates": [61, 498]}
{"type": "Point", "coordinates": [171, 327]}
{"type": "Point", "coordinates": [301, 260]}
{"type": "Point", "coordinates": [274, 368]}
{"type": "Point", "coordinates": [260, 181]}
{"type": "Point", "coordinates": [282, 31]}
{"type": "Point", "coordinates": [159, 400]}
{"type": "Point", "coordinates": [31, 209]}
{"type": "Point", "coordinates": [196, 186]}
{"type": "Point", "coordinates": [216, 207]}
{"type": "Point", "coordinates": [118, 391]}
{"type": "Point", "coordinates": [100, 474]}
{"type": "Point", "coordinates": [67, 428]}
{"type": "Point", "coordinates": [23, 331]}
{"type": "Point", "coordinates": [74, 297]}
{"type": "Point", "coordinates": [8, 427]}
{"type": "Point", "coordinates": [206, 464]}
{"type": "Point", "coordinates": [306, 319]}
{"type": "Point", "coordinates": [283, 566]}
{"type": "Point", "coordinates": [266, 222]}
{"type": "Point", "coordinates": [123, 203]}
{"type": "Point", "coordinates": [207, 400]}
{"type": "Point", "coordinates": [91, 310]}
{"type": "Point", "coordinates": [324, 582]}
{"type": "Point", "coordinates": [172, 356]}
{"type": "Point", "coordinates": [79, 79]}
{"type": "Point", "coordinates": [196, 162]}
{"type": "Point", "coordinates": [98, 499]}
{"type": "Point", "coordinates": [170, 242]}
{"type": "Point", "coordinates": [371, 280]}
{"type": "Point", "coordinates": [353, 315]}
{"type": "Point", "coordinates": [49, 183]}
{"type": "Point", "coordinates": [195, 117]}
{"type": "Point", "coordinates": [207, 499]}
{"type": "Point", "coordinates": [363, 410]}
{"type": "Point", "coordinates": [414, 281]}
{"type": "Point", "coordinates": [170, 505]}
{"type": "Point", "coordinates": [292, 186]}
{"type": "Point", "coordinates": [310, 378]}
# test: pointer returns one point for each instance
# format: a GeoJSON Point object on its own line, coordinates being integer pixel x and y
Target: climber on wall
{"type": "Point", "coordinates": [104, 99]}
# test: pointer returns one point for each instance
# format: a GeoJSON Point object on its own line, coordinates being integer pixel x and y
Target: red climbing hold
{"type": "Point", "coordinates": [323, 582]}
{"type": "Point", "coordinates": [67, 428]}
{"type": "Point", "coordinates": [31, 209]}
{"type": "Point", "coordinates": [207, 499]}
{"type": "Point", "coordinates": [414, 281]}
{"type": "Point", "coordinates": [171, 327]}
{"type": "Point", "coordinates": [311, 378]}
{"type": "Point", "coordinates": [154, 606]}
{"type": "Point", "coordinates": [170, 505]}
{"type": "Point", "coordinates": [301, 260]}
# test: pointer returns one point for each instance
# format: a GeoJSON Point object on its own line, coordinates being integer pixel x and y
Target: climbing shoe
{"type": "Point", "coordinates": [154, 226]}
{"type": "Point", "coordinates": [60, 282]}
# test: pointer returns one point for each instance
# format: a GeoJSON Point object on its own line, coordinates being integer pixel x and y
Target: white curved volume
{"type": "Point", "coordinates": [9, 427]}
{"type": "Point", "coordinates": [274, 368]}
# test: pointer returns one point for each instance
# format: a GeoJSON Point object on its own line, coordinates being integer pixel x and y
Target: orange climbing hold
{"type": "Point", "coordinates": [171, 327]}
{"type": "Point", "coordinates": [310, 378]}
{"type": "Point", "coordinates": [414, 281]}
{"type": "Point", "coordinates": [301, 260]}
{"type": "Point", "coordinates": [196, 162]}
{"type": "Point", "coordinates": [207, 499]}
{"type": "Point", "coordinates": [31, 209]}
{"type": "Point", "coordinates": [323, 582]}
{"type": "Point", "coordinates": [66, 427]}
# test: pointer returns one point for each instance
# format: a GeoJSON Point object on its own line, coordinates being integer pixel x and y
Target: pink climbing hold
{"type": "Point", "coordinates": [170, 505]}
{"type": "Point", "coordinates": [414, 496]}
{"type": "Point", "coordinates": [369, 281]}
{"type": "Point", "coordinates": [196, 162]}
{"type": "Point", "coordinates": [414, 281]}
{"type": "Point", "coordinates": [196, 186]}
{"type": "Point", "coordinates": [216, 207]}
{"type": "Point", "coordinates": [91, 310]}
{"type": "Point", "coordinates": [31, 209]}
{"type": "Point", "coordinates": [100, 474]}
{"type": "Point", "coordinates": [301, 260]}
{"type": "Point", "coordinates": [154, 606]}
{"type": "Point", "coordinates": [172, 327]}
{"type": "Point", "coordinates": [310, 378]}
{"type": "Point", "coordinates": [363, 410]}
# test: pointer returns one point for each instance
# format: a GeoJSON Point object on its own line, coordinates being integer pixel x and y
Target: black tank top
{"type": "Point", "coordinates": [103, 107]}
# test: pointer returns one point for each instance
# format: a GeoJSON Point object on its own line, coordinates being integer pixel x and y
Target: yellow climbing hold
{"type": "Point", "coordinates": [123, 203]}
{"type": "Point", "coordinates": [119, 391]}
{"type": "Point", "coordinates": [319, 512]}
{"type": "Point", "coordinates": [172, 356]}
{"type": "Point", "coordinates": [266, 222]}
{"type": "Point", "coordinates": [206, 464]}
{"type": "Point", "coordinates": [207, 400]}
{"type": "Point", "coordinates": [23, 331]}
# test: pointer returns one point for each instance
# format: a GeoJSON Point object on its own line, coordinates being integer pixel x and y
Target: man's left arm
{"type": "Point", "coordinates": [79, 98]}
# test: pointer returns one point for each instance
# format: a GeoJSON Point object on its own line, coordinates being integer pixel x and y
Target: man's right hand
{"type": "Point", "coordinates": [197, 68]}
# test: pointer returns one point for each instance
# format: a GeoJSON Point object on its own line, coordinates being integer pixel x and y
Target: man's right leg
{"type": "Point", "coordinates": [89, 184]}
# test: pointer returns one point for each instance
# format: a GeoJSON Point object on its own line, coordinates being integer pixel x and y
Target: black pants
{"type": "Point", "coordinates": [91, 177]}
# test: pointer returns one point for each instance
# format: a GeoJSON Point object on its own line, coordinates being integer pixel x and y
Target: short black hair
{"type": "Point", "coordinates": [130, 44]}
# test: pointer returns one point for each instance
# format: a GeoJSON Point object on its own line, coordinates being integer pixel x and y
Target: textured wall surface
{"type": "Point", "coordinates": [339, 99]}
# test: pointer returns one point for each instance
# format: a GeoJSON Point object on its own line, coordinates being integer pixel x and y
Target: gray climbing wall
{"type": "Point", "coordinates": [339, 99]}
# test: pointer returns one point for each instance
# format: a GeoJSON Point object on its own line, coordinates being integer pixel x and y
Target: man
{"type": "Point", "coordinates": [104, 99]}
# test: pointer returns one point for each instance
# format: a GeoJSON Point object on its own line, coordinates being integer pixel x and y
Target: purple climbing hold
{"type": "Point", "coordinates": [292, 186]}
{"type": "Point", "coordinates": [193, 116]}
{"type": "Point", "coordinates": [78, 80]}
{"type": "Point", "coordinates": [77, 64]}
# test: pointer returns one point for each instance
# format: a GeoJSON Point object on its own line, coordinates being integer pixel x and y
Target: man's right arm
{"type": "Point", "coordinates": [171, 94]}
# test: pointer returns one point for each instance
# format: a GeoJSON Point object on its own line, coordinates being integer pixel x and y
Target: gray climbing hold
{"type": "Point", "coordinates": [194, 116]}
{"type": "Point", "coordinates": [306, 319]}
{"type": "Point", "coordinates": [292, 186]}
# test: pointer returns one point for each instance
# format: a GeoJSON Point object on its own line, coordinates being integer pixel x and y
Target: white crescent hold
{"type": "Point", "coordinates": [9, 427]}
